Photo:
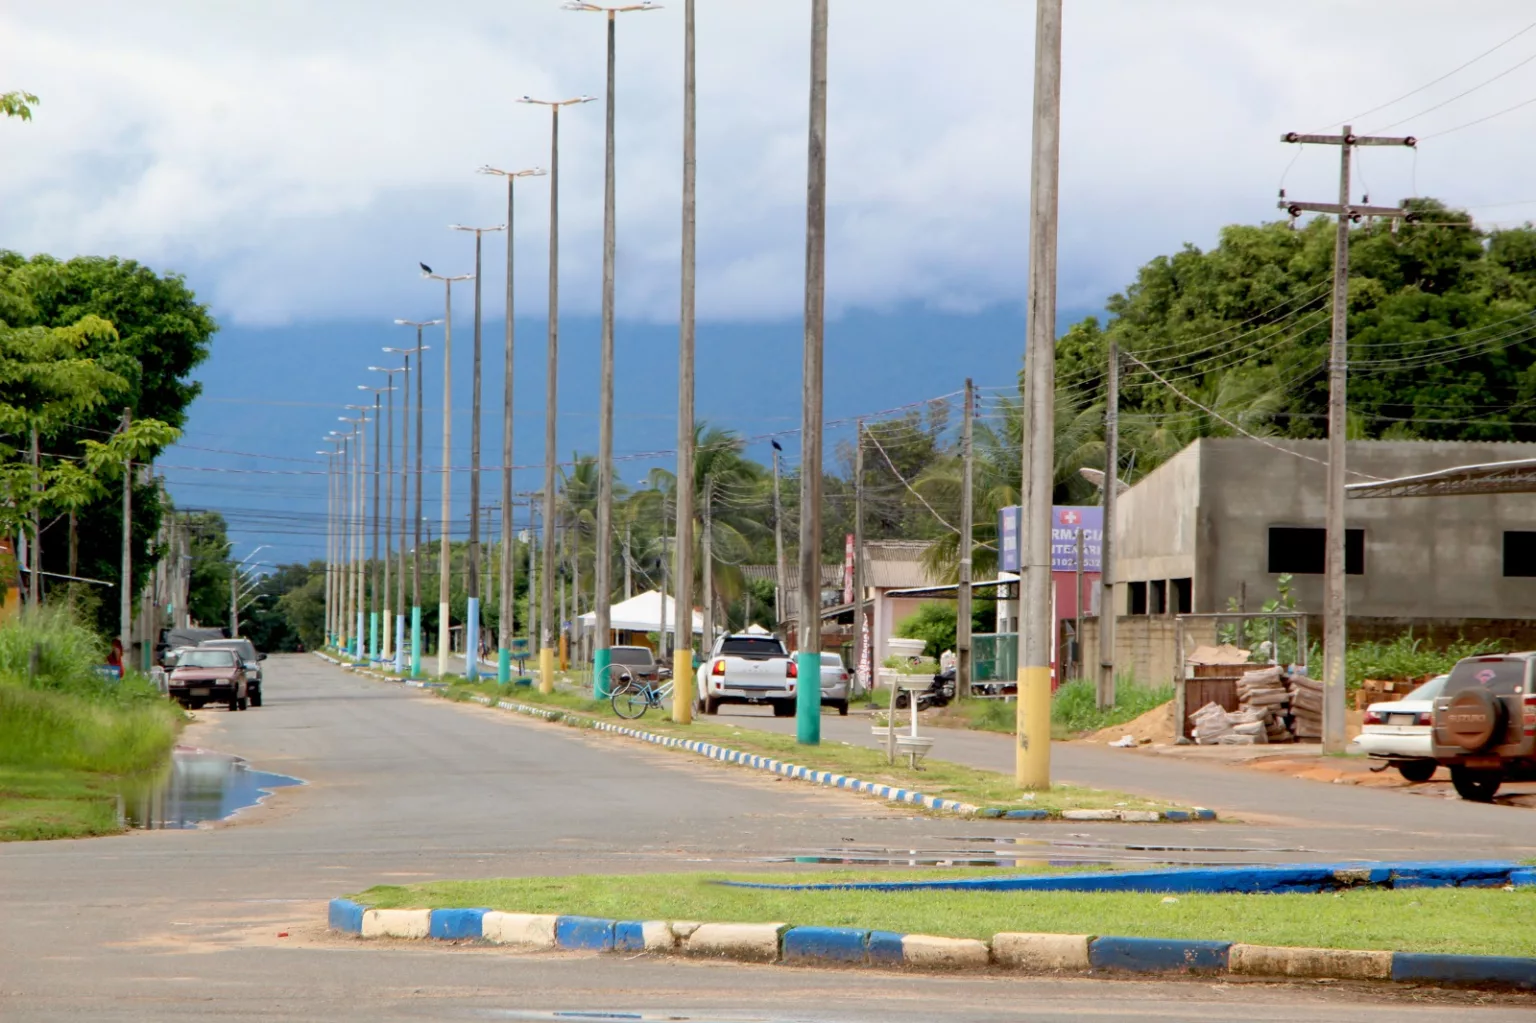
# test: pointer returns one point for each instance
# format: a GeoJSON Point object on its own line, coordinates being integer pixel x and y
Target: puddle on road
{"type": "Point", "coordinates": [199, 785]}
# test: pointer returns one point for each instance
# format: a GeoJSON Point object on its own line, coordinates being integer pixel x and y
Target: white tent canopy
{"type": "Point", "coordinates": [644, 612]}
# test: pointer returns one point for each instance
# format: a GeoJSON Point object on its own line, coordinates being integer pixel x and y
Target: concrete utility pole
{"type": "Point", "coordinates": [444, 562]}
{"type": "Point", "coordinates": [472, 552]}
{"type": "Point", "coordinates": [504, 621]}
{"type": "Point", "coordinates": [1335, 615]}
{"type": "Point", "coordinates": [388, 644]}
{"type": "Point", "coordinates": [1032, 755]}
{"type": "Point", "coordinates": [125, 587]}
{"type": "Point", "coordinates": [629, 575]}
{"type": "Point", "coordinates": [421, 374]}
{"type": "Point", "coordinates": [707, 569]}
{"type": "Point", "coordinates": [861, 635]}
{"type": "Point", "coordinates": [355, 580]}
{"type": "Point", "coordinates": [967, 547]}
{"type": "Point", "coordinates": [1107, 610]}
{"type": "Point", "coordinates": [533, 573]}
{"type": "Point", "coordinates": [603, 555]}
{"type": "Point", "coordinates": [35, 547]}
{"type": "Point", "coordinates": [330, 547]}
{"type": "Point", "coordinates": [551, 396]}
{"type": "Point", "coordinates": [780, 568]}
{"type": "Point", "coordinates": [808, 692]}
{"type": "Point", "coordinates": [682, 666]}
{"type": "Point", "coordinates": [373, 560]}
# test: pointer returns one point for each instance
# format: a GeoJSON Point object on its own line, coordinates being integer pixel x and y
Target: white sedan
{"type": "Point", "coordinates": [1399, 732]}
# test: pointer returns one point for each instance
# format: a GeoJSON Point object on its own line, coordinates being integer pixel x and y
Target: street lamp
{"type": "Point", "coordinates": [234, 592]}
{"type": "Point", "coordinates": [421, 372]}
{"type": "Point", "coordinates": [603, 557]}
{"type": "Point", "coordinates": [343, 534]}
{"type": "Point", "coordinates": [472, 583]}
{"type": "Point", "coordinates": [359, 458]}
{"type": "Point", "coordinates": [393, 631]}
{"type": "Point", "coordinates": [375, 600]}
{"type": "Point", "coordinates": [444, 565]}
{"type": "Point", "coordinates": [504, 622]}
{"type": "Point", "coordinates": [552, 372]}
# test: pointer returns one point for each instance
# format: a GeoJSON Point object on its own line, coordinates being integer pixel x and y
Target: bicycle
{"type": "Point", "coordinates": [631, 699]}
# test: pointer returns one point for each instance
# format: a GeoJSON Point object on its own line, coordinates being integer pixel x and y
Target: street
{"type": "Point", "coordinates": [404, 786]}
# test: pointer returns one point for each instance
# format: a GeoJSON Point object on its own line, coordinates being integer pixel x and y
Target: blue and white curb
{"type": "Point", "coordinates": [863, 947]}
{"type": "Point", "coordinates": [1288, 878]}
{"type": "Point", "coordinates": [797, 772]}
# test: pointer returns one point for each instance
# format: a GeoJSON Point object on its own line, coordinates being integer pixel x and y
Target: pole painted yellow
{"type": "Point", "coordinates": [546, 669]}
{"type": "Point", "coordinates": [682, 685]}
{"type": "Point", "coordinates": [1032, 757]}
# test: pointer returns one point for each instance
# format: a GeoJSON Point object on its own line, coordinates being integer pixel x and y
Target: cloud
{"type": "Point", "coordinates": [297, 159]}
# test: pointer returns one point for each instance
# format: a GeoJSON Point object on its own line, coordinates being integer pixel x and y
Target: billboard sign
{"type": "Point", "coordinates": [1067, 521]}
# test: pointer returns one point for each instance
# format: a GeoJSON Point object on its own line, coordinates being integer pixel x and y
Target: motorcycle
{"type": "Point", "coordinates": [938, 693]}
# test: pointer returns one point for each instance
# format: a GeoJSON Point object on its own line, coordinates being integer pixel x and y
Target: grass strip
{"type": "Point", "coordinates": [40, 804]}
{"type": "Point", "coordinates": [1464, 921]}
{"type": "Point", "coordinates": [937, 778]}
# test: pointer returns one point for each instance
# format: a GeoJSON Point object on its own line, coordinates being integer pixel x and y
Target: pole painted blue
{"type": "Point", "coordinates": [357, 639]}
{"type": "Point", "coordinates": [808, 699]}
{"type": "Point", "coordinates": [415, 641]}
{"type": "Point", "coordinates": [400, 644]}
{"type": "Point", "coordinates": [472, 639]}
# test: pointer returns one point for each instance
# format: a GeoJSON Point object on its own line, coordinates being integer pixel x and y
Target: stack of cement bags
{"type": "Point", "coordinates": [1306, 707]}
{"type": "Point", "coordinates": [1214, 726]}
{"type": "Point", "coordinates": [1262, 695]}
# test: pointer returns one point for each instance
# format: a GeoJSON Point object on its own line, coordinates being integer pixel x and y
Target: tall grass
{"type": "Point", "coordinates": [1075, 708]}
{"type": "Point", "coordinates": [1404, 657]}
{"type": "Point", "coordinates": [58, 711]}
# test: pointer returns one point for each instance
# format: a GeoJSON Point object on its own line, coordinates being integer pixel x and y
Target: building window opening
{"type": "Point", "coordinates": [1138, 598]}
{"type": "Point", "coordinates": [1300, 550]}
{"type": "Point", "coordinates": [1183, 596]}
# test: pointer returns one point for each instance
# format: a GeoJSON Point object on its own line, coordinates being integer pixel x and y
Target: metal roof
{"type": "Point", "coordinates": [952, 590]}
{"type": "Point", "coordinates": [1517, 477]}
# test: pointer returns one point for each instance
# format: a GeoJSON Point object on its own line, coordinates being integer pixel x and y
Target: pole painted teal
{"type": "Point", "coordinates": [373, 635]}
{"type": "Point", "coordinates": [808, 699]}
{"type": "Point", "coordinates": [415, 641]}
{"type": "Point", "coordinates": [503, 666]}
{"type": "Point", "coordinates": [601, 659]}
{"type": "Point", "coordinates": [472, 639]}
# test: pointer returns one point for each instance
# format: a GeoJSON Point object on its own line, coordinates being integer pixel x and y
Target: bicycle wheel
{"type": "Point", "coordinates": [631, 702]}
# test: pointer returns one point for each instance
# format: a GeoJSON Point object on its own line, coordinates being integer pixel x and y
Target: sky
{"type": "Point", "coordinates": [295, 160]}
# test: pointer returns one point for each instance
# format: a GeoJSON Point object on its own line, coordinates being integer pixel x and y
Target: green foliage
{"type": "Point", "coordinates": [1075, 710]}
{"type": "Point", "coordinates": [299, 612]}
{"type": "Point", "coordinates": [18, 104]}
{"type": "Point", "coordinates": [1253, 634]}
{"type": "Point", "coordinates": [936, 624]}
{"type": "Point", "coordinates": [1404, 657]}
{"type": "Point", "coordinates": [66, 652]}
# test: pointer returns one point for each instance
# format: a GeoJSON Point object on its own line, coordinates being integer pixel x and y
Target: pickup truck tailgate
{"type": "Point", "coordinates": [755, 673]}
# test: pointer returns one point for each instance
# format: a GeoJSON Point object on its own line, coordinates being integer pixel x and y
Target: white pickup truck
{"type": "Point", "coordinates": [747, 669]}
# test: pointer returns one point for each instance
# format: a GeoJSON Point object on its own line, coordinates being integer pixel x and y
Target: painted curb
{"type": "Point", "coordinates": [852, 946]}
{"type": "Point", "coordinates": [797, 772]}
{"type": "Point", "coordinates": [1285, 878]}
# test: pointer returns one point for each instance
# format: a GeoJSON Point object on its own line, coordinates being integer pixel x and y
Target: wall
{"type": "Point", "coordinates": [1425, 557]}
{"type": "Point", "coordinates": [1146, 646]}
{"type": "Point", "coordinates": [1157, 525]}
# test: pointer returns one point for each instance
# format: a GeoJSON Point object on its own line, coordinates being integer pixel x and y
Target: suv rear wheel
{"type": "Point", "coordinates": [1417, 770]}
{"type": "Point", "coordinates": [1476, 786]}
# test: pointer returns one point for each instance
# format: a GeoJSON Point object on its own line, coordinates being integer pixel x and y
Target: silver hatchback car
{"type": "Point", "coordinates": [836, 682]}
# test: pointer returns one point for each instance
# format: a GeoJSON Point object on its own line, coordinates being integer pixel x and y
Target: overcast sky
{"type": "Point", "coordinates": [295, 159]}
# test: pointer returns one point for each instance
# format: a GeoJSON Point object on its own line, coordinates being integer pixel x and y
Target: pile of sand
{"type": "Point", "coordinates": [1155, 726]}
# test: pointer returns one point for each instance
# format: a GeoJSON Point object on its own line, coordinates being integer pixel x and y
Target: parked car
{"type": "Point", "coordinates": [246, 651]}
{"type": "Point", "coordinates": [743, 668]}
{"type": "Point", "coordinates": [1399, 733]}
{"type": "Point", "coordinates": [1485, 724]}
{"type": "Point", "coordinates": [836, 683]}
{"type": "Point", "coordinates": [203, 675]}
{"type": "Point", "coordinates": [638, 661]}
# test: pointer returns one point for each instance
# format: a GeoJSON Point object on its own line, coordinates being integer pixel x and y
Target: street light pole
{"type": "Point", "coordinates": [472, 581]}
{"type": "Point", "coordinates": [375, 597]}
{"type": "Point", "coordinates": [552, 374]}
{"type": "Point", "coordinates": [504, 622]}
{"type": "Point", "coordinates": [421, 372]}
{"type": "Point", "coordinates": [444, 565]}
{"type": "Point", "coordinates": [359, 447]}
{"type": "Point", "coordinates": [603, 556]}
{"type": "Point", "coordinates": [808, 693]}
{"type": "Point", "coordinates": [391, 644]}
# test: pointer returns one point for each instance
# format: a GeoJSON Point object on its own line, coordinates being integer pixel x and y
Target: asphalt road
{"type": "Point", "coordinates": [175, 925]}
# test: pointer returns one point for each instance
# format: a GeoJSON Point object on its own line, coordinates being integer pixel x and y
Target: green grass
{"type": "Point", "coordinates": [1405, 657]}
{"type": "Point", "coordinates": [1453, 920]}
{"type": "Point", "coordinates": [68, 737]}
{"type": "Point", "coordinates": [1074, 709]}
{"type": "Point", "coordinates": [938, 778]}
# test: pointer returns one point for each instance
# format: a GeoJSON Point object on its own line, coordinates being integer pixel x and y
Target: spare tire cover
{"type": "Point", "coordinates": [1474, 719]}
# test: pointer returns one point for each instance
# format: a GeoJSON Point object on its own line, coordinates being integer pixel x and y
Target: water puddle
{"type": "Point", "coordinates": [199, 785]}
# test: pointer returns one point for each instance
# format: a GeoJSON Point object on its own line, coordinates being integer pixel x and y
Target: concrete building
{"type": "Point", "coordinates": [1226, 517]}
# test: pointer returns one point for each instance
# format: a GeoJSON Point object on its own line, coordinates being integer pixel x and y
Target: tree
{"type": "Point", "coordinates": [17, 104]}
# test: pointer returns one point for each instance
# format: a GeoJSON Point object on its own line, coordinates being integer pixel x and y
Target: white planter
{"type": "Point", "coordinates": [904, 647]}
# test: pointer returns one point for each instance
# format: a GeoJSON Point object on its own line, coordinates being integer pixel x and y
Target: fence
{"type": "Point", "coordinates": [995, 657]}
